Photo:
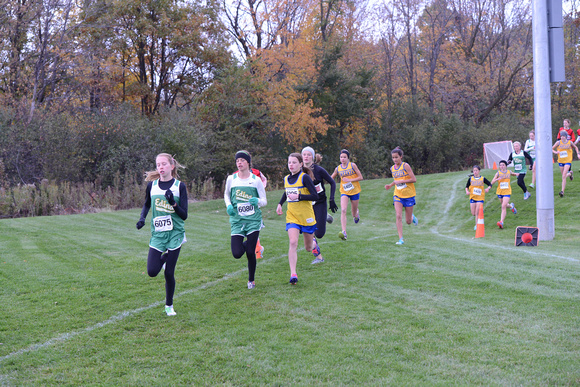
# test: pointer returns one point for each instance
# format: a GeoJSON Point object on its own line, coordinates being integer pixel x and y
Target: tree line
{"type": "Point", "coordinates": [93, 90]}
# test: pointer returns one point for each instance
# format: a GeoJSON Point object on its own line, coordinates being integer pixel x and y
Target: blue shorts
{"type": "Point", "coordinates": [352, 197]}
{"type": "Point", "coordinates": [564, 164]}
{"type": "Point", "coordinates": [475, 201]}
{"type": "Point", "coordinates": [303, 229]}
{"type": "Point", "coordinates": [407, 202]}
{"type": "Point", "coordinates": [503, 196]}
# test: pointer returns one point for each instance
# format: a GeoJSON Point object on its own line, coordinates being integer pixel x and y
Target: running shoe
{"type": "Point", "coordinates": [415, 220]}
{"type": "Point", "coordinates": [532, 186]}
{"type": "Point", "coordinates": [329, 219]}
{"type": "Point", "coordinates": [475, 228]}
{"type": "Point", "coordinates": [316, 250]}
{"type": "Point", "coordinates": [317, 260]}
{"type": "Point", "coordinates": [260, 253]}
{"type": "Point", "coordinates": [571, 175]}
{"type": "Point", "coordinates": [400, 242]}
{"type": "Point", "coordinates": [251, 284]}
{"type": "Point", "coordinates": [500, 224]}
{"type": "Point", "coordinates": [169, 310]}
{"type": "Point", "coordinates": [342, 235]}
{"type": "Point", "coordinates": [513, 208]}
{"type": "Point", "coordinates": [561, 194]}
{"type": "Point", "coordinates": [527, 195]}
{"type": "Point", "coordinates": [293, 280]}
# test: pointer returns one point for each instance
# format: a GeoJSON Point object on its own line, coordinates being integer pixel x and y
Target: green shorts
{"type": "Point", "coordinates": [245, 227]}
{"type": "Point", "coordinates": [167, 240]}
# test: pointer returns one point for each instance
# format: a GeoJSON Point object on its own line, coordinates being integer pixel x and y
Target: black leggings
{"type": "Point", "coordinates": [155, 261]}
{"type": "Point", "coordinates": [521, 182]}
{"type": "Point", "coordinates": [239, 247]}
{"type": "Point", "coordinates": [320, 212]}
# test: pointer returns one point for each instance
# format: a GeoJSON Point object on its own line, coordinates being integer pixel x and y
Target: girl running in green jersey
{"type": "Point", "coordinates": [244, 195]}
{"type": "Point", "coordinates": [167, 198]}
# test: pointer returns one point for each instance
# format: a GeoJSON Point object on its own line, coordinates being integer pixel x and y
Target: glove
{"type": "Point", "coordinates": [231, 210]}
{"type": "Point", "coordinates": [333, 206]}
{"type": "Point", "coordinates": [140, 224]}
{"type": "Point", "coordinates": [253, 201]}
{"type": "Point", "coordinates": [169, 197]}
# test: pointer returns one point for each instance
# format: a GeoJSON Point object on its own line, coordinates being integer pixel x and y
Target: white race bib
{"type": "Point", "coordinates": [504, 185]}
{"type": "Point", "coordinates": [292, 191]}
{"type": "Point", "coordinates": [319, 188]}
{"type": "Point", "coordinates": [402, 185]}
{"type": "Point", "coordinates": [518, 167]}
{"type": "Point", "coordinates": [348, 186]}
{"type": "Point", "coordinates": [246, 209]}
{"type": "Point", "coordinates": [477, 191]}
{"type": "Point", "coordinates": [563, 154]}
{"type": "Point", "coordinates": [163, 223]}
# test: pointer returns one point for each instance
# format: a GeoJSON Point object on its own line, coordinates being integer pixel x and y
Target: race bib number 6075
{"type": "Point", "coordinates": [163, 223]}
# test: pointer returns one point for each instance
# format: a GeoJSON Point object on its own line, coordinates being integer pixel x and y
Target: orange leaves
{"type": "Point", "coordinates": [299, 123]}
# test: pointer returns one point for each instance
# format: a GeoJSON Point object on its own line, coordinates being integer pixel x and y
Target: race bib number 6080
{"type": "Point", "coordinates": [246, 209]}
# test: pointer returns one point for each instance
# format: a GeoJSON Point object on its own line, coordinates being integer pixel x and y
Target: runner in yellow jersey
{"type": "Point", "coordinates": [474, 188]}
{"type": "Point", "coordinates": [504, 190]}
{"type": "Point", "coordinates": [300, 192]}
{"type": "Point", "coordinates": [350, 178]}
{"type": "Point", "coordinates": [404, 196]}
{"type": "Point", "coordinates": [563, 148]}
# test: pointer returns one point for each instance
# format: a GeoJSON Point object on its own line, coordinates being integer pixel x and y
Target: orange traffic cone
{"type": "Point", "coordinates": [494, 165]}
{"type": "Point", "coordinates": [480, 229]}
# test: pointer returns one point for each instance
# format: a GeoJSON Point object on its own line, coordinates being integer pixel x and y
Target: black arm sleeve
{"type": "Point", "coordinates": [181, 208]}
{"type": "Point", "coordinates": [527, 155]}
{"type": "Point", "coordinates": [147, 205]}
{"type": "Point", "coordinates": [469, 182]}
{"type": "Point", "coordinates": [330, 180]}
{"type": "Point", "coordinates": [313, 196]}
{"type": "Point", "coordinates": [283, 199]}
{"type": "Point", "coordinates": [510, 159]}
{"type": "Point", "coordinates": [485, 181]}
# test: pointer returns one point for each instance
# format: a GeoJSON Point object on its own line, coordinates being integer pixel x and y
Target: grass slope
{"type": "Point", "coordinates": [79, 308]}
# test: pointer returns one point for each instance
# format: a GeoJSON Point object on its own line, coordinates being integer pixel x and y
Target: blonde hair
{"type": "Point", "coordinates": [154, 175]}
{"type": "Point", "coordinates": [519, 143]}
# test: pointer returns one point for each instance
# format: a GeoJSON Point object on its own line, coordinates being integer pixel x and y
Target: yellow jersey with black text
{"type": "Point", "coordinates": [299, 211]}
{"type": "Point", "coordinates": [349, 188]}
{"type": "Point", "coordinates": [565, 151]}
{"type": "Point", "coordinates": [402, 190]}
{"type": "Point", "coordinates": [476, 189]}
{"type": "Point", "coordinates": [504, 186]}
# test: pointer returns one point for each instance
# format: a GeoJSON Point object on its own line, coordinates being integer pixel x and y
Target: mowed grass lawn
{"type": "Point", "coordinates": [79, 309]}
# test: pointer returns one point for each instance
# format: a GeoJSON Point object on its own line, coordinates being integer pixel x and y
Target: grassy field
{"type": "Point", "coordinates": [445, 308]}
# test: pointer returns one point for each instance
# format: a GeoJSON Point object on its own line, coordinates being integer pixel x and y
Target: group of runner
{"type": "Point", "coordinates": [475, 184]}
{"type": "Point", "coordinates": [245, 195]}
{"type": "Point", "coordinates": [305, 192]}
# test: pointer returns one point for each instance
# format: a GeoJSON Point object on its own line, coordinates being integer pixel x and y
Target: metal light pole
{"type": "Point", "coordinates": [543, 121]}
